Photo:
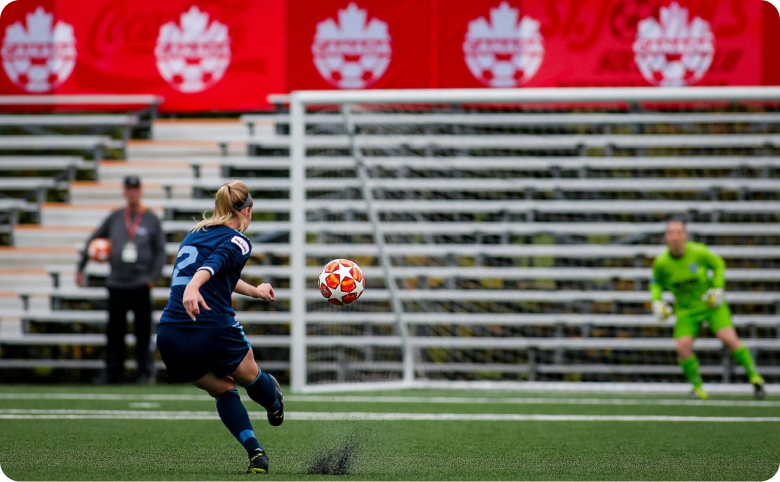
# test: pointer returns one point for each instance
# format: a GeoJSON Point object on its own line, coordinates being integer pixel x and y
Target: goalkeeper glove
{"type": "Point", "coordinates": [662, 310]}
{"type": "Point", "coordinates": [714, 297]}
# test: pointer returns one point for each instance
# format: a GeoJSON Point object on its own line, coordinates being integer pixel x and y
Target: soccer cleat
{"type": "Point", "coordinates": [277, 418]}
{"type": "Point", "coordinates": [758, 387]}
{"type": "Point", "coordinates": [258, 463]}
{"type": "Point", "coordinates": [698, 394]}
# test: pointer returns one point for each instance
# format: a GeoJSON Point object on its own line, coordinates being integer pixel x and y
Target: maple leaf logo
{"type": "Point", "coordinates": [353, 53]}
{"type": "Point", "coordinates": [39, 55]}
{"type": "Point", "coordinates": [194, 54]}
{"type": "Point", "coordinates": [502, 52]}
{"type": "Point", "coordinates": [674, 51]}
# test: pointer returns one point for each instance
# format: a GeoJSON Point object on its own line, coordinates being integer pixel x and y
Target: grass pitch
{"type": "Point", "coordinates": [173, 433]}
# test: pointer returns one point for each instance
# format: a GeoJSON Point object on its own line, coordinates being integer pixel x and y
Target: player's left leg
{"type": "Point", "coordinates": [262, 388]}
{"type": "Point", "coordinates": [721, 324]}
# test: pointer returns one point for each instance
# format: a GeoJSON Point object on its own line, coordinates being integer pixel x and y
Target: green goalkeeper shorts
{"type": "Point", "coordinates": [689, 321]}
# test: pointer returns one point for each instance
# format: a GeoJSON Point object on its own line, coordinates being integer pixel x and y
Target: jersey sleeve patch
{"type": "Point", "coordinates": [241, 243]}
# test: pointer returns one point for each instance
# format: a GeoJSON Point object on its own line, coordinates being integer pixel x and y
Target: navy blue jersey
{"type": "Point", "coordinates": [223, 252]}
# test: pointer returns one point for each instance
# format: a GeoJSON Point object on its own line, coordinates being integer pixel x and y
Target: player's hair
{"type": "Point", "coordinates": [678, 219]}
{"type": "Point", "coordinates": [231, 198]}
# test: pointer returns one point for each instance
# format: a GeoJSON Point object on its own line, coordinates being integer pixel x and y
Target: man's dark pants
{"type": "Point", "coordinates": [120, 301]}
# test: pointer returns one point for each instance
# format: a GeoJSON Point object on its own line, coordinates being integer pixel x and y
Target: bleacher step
{"type": "Point", "coordinates": [201, 129]}
{"type": "Point", "coordinates": [11, 280]}
{"type": "Point", "coordinates": [52, 236]}
{"type": "Point", "coordinates": [179, 149]}
{"type": "Point", "coordinates": [111, 192]}
{"type": "Point", "coordinates": [10, 328]}
{"type": "Point", "coordinates": [36, 257]}
{"type": "Point", "coordinates": [11, 303]}
{"type": "Point", "coordinates": [75, 214]}
{"type": "Point", "coordinates": [207, 170]}
{"type": "Point", "coordinates": [148, 171]}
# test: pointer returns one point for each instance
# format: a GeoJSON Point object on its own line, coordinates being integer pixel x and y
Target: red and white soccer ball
{"type": "Point", "coordinates": [99, 250]}
{"type": "Point", "coordinates": [341, 282]}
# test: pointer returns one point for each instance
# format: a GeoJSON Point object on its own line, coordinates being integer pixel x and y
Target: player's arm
{"type": "Point", "coordinates": [263, 291]}
{"type": "Point", "coordinates": [230, 255]}
{"type": "Point", "coordinates": [715, 296]}
{"type": "Point", "coordinates": [661, 308]}
{"type": "Point", "coordinates": [192, 299]}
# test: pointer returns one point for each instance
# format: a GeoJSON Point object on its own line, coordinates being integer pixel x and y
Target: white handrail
{"type": "Point", "coordinates": [538, 96]}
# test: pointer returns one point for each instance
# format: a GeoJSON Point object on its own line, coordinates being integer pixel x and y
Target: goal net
{"type": "Point", "coordinates": [507, 236]}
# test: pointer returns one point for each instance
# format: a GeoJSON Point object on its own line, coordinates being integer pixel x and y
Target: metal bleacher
{"type": "Point", "coordinates": [43, 145]}
{"type": "Point", "coordinates": [533, 231]}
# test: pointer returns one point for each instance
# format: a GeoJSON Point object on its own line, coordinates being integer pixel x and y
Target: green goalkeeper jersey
{"type": "Point", "coordinates": [688, 277]}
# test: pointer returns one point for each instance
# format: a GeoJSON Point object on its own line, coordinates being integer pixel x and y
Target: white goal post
{"type": "Point", "coordinates": [414, 331]}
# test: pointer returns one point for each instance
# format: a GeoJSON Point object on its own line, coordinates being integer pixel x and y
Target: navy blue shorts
{"type": "Point", "coordinates": [189, 353]}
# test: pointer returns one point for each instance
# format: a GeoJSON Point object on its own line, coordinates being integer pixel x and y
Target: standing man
{"type": "Point", "coordinates": [683, 270]}
{"type": "Point", "coordinates": [137, 259]}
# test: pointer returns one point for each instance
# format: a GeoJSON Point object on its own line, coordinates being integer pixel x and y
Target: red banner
{"type": "Point", "coordinates": [228, 55]}
{"type": "Point", "coordinates": [513, 43]}
{"type": "Point", "coordinates": [213, 55]}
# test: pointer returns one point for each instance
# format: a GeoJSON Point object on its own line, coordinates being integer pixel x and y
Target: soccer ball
{"type": "Point", "coordinates": [341, 282]}
{"type": "Point", "coordinates": [99, 250]}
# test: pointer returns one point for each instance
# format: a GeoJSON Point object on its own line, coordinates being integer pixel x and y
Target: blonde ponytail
{"type": "Point", "coordinates": [231, 198]}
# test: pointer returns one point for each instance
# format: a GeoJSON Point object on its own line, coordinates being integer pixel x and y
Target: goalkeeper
{"type": "Point", "coordinates": [683, 270]}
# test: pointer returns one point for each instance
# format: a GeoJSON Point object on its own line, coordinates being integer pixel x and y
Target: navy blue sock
{"type": "Point", "coordinates": [263, 391]}
{"type": "Point", "coordinates": [236, 419]}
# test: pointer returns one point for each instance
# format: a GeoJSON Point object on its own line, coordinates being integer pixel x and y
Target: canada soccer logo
{"type": "Point", "coordinates": [503, 52]}
{"type": "Point", "coordinates": [193, 55]}
{"type": "Point", "coordinates": [39, 56]}
{"type": "Point", "coordinates": [674, 52]}
{"type": "Point", "coordinates": [353, 53]}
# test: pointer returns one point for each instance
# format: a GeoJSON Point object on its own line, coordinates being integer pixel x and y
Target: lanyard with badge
{"type": "Point", "coordinates": [130, 250]}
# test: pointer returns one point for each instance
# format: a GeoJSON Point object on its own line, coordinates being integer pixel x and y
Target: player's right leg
{"type": "Point", "coordinates": [262, 388]}
{"type": "Point", "coordinates": [687, 359]}
{"type": "Point", "coordinates": [235, 417]}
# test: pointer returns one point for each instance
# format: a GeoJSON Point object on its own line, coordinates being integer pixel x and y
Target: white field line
{"type": "Point", "coordinates": [36, 414]}
{"type": "Point", "coordinates": [410, 399]}
{"type": "Point", "coordinates": [535, 401]}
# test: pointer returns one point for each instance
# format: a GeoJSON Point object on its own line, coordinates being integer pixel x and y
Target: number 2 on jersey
{"type": "Point", "coordinates": [187, 255]}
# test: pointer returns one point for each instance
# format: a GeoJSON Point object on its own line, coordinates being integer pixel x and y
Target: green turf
{"type": "Point", "coordinates": [389, 450]}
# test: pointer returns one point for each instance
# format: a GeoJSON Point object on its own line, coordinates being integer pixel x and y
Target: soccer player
{"type": "Point", "coordinates": [199, 338]}
{"type": "Point", "coordinates": [683, 270]}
